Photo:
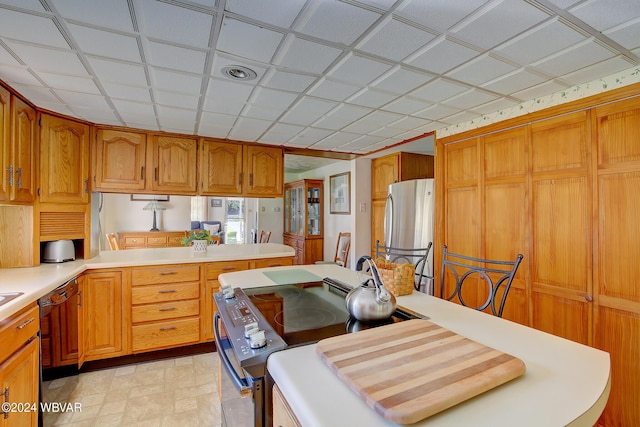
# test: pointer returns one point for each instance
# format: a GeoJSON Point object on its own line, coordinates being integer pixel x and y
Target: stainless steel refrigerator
{"type": "Point", "coordinates": [408, 219]}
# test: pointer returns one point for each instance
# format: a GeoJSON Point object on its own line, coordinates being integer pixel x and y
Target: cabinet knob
{"type": "Point", "coordinates": [589, 298]}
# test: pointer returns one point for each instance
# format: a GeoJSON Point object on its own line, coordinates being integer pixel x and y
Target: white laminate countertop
{"type": "Point", "coordinates": [36, 282]}
{"type": "Point", "coordinates": [565, 383]}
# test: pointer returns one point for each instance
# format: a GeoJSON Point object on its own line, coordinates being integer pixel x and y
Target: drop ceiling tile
{"type": "Point", "coordinates": [309, 137]}
{"type": "Point", "coordinates": [307, 111]}
{"type": "Point", "coordinates": [442, 56]}
{"type": "Point", "coordinates": [105, 43]}
{"type": "Point", "coordinates": [277, 99]}
{"type": "Point", "coordinates": [257, 112]}
{"type": "Point", "coordinates": [387, 132]}
{"type": "Point", "coordinates": [335, 91]}
{"type": "Point", "coordinates": [514, 15]}
{"type": "Point", "coordinates": [481, 70]}
{"type": "Point", "coordinates": [357, 69]}
{"type": "Point", "coordinates": [214, 104]}
{"type": "Point", "coordinates": [408, 123]}
{"type": "Point", "coordinates": [341, 116]}
{"type": "Point", "coordinates": [336, 140]}
{"type": "Point", "coordinates": [18, 76]}
{"type": "Point", "coordinates": [71, 83]}
{"type": "Point", "coordinates": [594, 72]}
{"type": "Point", "coordinates": [399, 80]}
{"type": "Point", "coordinates": [36, 94]}
{"type": "Point", "coordinates": [369, 97]}
{"type": "Point", "coordinates": [98, 116]}
{"type": "Point", "coordinates": [14, 23]}
{"type": "Point", "coordinates": [287, 81]}
{"type": "Point", "coordinates": [405, 105]}
{"type": "Point", "coordinates": [307, 56]}
{"type": "Point", "coordinates": [362, 143]}
{"type": "Point", "coordinates": [602, 15]}
{"type": "Point", "coordinates": [177, 58]}
{"type": "Point", "coordinates": [628, 34]}
{"type": "Point", "coordinates": [229, 90]}
{"type": "Point", "coordinates": [125, 107]}
{"type": "Point", "coordinates": [7, 59]}
{"type": "Point", "coordinates": [247, 129]}
{"type": "Point", "coordinates": [541, 41]}
{"type": "Point", "coordinates": [57, 107]}
{"type": "Point", "coordinates": [437, 112]}
{"type": "Point", "coordinates": [112, 14]}
{"type": "Point", "coordinates": [173, 117]}
{"type": "Point", "coordinates": [462, 117]}
{"type": "Point", "coordinates": [514, 82]}
{"type": "Point", "coordinates": [117, 72]}
{"type": "Point", "coordinates": [337, 22]}
{"type": "Point", "coordinates": [143, 121]}
{"type": "Point", "coordinates": [131, 93]}
{"type": "Point", "coordinates": [373, 121]}
{"type": "Point", "coordinates": [174, 81]}
{"type": "Point", "coordinates": [53, 61]}
{"type": "Point", "coordinates": [248, 41]}
{"type": "Point", "coordinates": [83, 100]}
{"type": "Point", "coordinates": [281, 13]}
{"type": "Point", "coordinates": [437, 14]}
{"type": "Point", "coordinates": [493, 106]}
{"type": "Point", "coordinates": [174, 99]}
{"type": "Point", "coordinates": [564, 4]}
{"type": "Point", "coordinates": [380, 4]}
{"type": "Point", "coordinates": [34, 5]}
{"type": "Point", "coordinates": [215, 125]}
{"type": "Point", "coordinates": [540, 90]}
{"type": "Point", "coordinates": [187, 26]}
{"type": "Point", "coordinates": [574, 58]}
{"type": "Point", "coordinates": [282, 131]}
{"type": "Point", "coordinates": [438, 90]}
{"type": "Point", "coordinates": [394, 40]}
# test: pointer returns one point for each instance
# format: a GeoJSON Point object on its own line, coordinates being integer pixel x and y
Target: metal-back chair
{"type": "Point", "coordinates": [415, 256]}
{"type": "Point", "coordinates": [494, 273]}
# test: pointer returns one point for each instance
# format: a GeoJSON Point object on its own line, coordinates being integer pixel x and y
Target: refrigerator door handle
{"type": "Point", "coordinates": [388, 221]}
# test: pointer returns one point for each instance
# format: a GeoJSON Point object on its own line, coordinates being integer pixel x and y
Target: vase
{"type": "Point", "coordinates": [199, 246]}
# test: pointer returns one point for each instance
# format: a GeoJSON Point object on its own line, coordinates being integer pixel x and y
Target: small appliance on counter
{"type": "Point", "coordinates": [58, 251]}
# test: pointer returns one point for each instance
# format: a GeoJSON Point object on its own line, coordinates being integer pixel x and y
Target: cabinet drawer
{"type": "Point", "coordinates": [165, 310]}
{"type": "Point", "coordinates": [273, 262]}
{"type": "Point", "coordinates": [156, 241]}
{"type": "Point", "coordinates": [165, 274]}
{"type": "Point", "coordinates": [217, 268]}
{"type": "Point", "coordinates": [134, 241]}
{"type": "Point", "coordinates": [18, 330]}
{"type": "Point", "coordinates": [165, 334]}
{"type": "Point", "coordinates": [163, 293]}
{"type": "Point", "coordinates": [173, 241]}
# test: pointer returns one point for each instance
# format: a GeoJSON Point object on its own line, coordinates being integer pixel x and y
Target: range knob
{"type": "Point", "coordinates": [257, 339]}
{"type": "Point", "coordinates": [227, 291]}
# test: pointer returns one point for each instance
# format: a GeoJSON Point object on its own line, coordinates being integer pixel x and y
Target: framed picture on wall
{"type": "Point", "coordinates": [216, 203]}
{"type": "Point", "coordinates": [340, 193]}
{"type": "Point", "coordinates": [149, 197]}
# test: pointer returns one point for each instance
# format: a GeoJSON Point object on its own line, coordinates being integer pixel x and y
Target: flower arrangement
{"type": "Point", "coordinates": [196, 235]}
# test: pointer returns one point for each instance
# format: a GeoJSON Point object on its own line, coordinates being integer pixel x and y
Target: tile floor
{"type": "Point", "coordinates": [170, 392]}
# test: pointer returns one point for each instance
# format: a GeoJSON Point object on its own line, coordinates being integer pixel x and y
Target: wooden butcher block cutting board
{"type": "Point", "coordinates": [410, 370]}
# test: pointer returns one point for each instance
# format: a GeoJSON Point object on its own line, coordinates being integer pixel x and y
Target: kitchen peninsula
{"type": "Point", "coordinates": [565, 383]}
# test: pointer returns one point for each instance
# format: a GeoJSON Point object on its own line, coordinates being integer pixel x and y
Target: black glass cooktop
{"type": "Point", "coordinates": [308, 312]}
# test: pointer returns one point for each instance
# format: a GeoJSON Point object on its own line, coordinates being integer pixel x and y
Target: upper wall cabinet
{"type": "Point", "coordinates": [234, 169]}
{"type": "Point", "coordinates": [17, 154]}
{"type": "Point", "coordinates": [137, 162]}
{"type": "Point", "coordinates": [64, 161]}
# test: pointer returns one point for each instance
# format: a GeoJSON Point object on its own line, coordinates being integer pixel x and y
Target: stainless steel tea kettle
{"type": "Point", "coordinates": [371, 300]}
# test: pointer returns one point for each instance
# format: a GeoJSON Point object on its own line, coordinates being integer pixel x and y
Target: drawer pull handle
{"type": "Point", "coordinates": [166, 309]}
{"type": "Point", "coordinates": [25, 323]}
{"type": "Point", "coordinates": [170, 328]}
{"type": "Point", "coordinates": [167, 273]}
{"type": "Point", "coordinates": [167, 291]}
{"type": "Point", "coordinates": [228, 268]}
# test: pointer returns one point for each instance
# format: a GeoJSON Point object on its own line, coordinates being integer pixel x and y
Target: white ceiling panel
{"type": "Point", "coordinates": [499, 21]}
{"type": "Point", "coordinates": [336, 21]}
{"type": "Point", "coordinates": [248, 41]}
{"type": "Point", "coordinates": [111, 14]}
{"type": "Point", "coordinates": [105, 43]}
{"type": "Point", "coordinates": [395, 40]}
{"type": "Point", "coordinates": [387, 70]}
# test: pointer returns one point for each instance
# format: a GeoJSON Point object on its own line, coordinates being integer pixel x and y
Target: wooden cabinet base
{"type": "Point", "coordinates": [167, 334]}
{"type": "Point", "coordinates": [283, 416]}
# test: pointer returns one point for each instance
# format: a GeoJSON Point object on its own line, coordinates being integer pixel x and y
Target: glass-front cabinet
{"type": "Point", "coordinates": [303, 219]}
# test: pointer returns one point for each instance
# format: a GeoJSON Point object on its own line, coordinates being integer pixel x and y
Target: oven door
{"type": "Point", "coordinates": [241, 397]}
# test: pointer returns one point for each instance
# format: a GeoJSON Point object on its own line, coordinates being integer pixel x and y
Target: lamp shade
{"type": "Point", "coordinates": [153, 206]}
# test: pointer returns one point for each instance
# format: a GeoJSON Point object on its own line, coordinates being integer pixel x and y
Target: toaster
{"type": "Point", "coordinates": [58, 251]}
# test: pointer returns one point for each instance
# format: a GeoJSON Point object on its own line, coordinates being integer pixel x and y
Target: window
{"type": "Point", "coordinates": [235, 219]}
{"type": "Point", "coordinates": [198, 208]}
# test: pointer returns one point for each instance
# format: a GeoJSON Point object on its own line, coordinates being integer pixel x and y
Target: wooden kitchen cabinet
{"type": "Point", "coordinates": [5, 143]}
{"type": "Point", "coordinates": [172, 165]}
{"type": "Point", "coordinates": [64, 160]}
{"type": "Point", "coordinates": [304, 219]}
{"type": "Point", "coordinates": [283, 415]}
{"type": "Point", "coordinates": [20, 365]}
{"type": "Point", "coordinates": [236, 169]}
{"type": "Point", "coordinates": [120, 160]}
{"type": "Point", "coordinates": [103, 315]}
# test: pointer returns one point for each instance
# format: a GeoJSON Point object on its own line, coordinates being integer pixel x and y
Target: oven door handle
{"type": "Point", "coordinates": [242, 384]}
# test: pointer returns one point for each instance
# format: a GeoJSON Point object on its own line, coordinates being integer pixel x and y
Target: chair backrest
{"type": "Point", "coordinates": [264, 236]}
{"type": "Point", "coordinates": [113, 241]}
{"type": "Point", "coordinates": [416, 256]}
{"type": "Point", "coordinates": [342, 249]}
{"type": "Point", "coordinates": [496, 274]}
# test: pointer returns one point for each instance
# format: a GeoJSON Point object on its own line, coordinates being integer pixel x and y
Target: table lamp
{"type": "Point", "coordinates": [153, 206]}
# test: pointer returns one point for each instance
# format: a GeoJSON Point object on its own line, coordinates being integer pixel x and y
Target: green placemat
{"type": "Point", "coordinates": [289, 277]}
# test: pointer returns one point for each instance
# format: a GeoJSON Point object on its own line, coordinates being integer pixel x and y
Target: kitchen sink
{"type": "Point", "coordinates": [8, 296]}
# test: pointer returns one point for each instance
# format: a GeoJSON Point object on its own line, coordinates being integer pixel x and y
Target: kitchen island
{"type": "Point", "coordinates": [565, 383]}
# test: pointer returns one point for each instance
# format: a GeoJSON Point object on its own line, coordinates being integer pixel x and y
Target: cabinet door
{"type": "Point", "coordinates": [64, 161]}
{"type": "Point", "coordinates": [102, 313]}
{"type": "Point", "coordinates": [23, 126]}
{"type": "Point", "coordinates": [221, 168]}
{"type": "Point", "coordinates": [265, 169]}
{"type": "Point", "coordinates": [19, 380]}
{"type": "Point", "coordinates": [384, 171]}
{"type": "Point", "coordinates": [5, 142]}
{"type": "Point", "coordinates": [377, 223]}
{"type": "Point", "coordinates": [120, 160]}
{"type": "Point", "coordinates": [173, 162]}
